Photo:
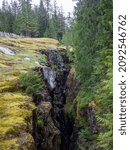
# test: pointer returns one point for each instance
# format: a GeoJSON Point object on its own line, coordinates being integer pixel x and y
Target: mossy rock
{"type": "Point", "coordinates": [15, 106]}
{"type": "Point", "coordinates": [24, 142]}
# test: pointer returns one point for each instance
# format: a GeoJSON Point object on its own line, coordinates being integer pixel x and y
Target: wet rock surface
{"type": "Point", "coordinates": [50, 76]}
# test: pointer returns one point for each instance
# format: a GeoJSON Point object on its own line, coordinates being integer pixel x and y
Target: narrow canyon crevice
{"type": "Point", "coordinates": [52, 128]}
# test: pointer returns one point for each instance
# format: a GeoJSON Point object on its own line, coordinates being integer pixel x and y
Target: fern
{"type": "Point", "coordinates": [105, 121]}
{"type": "Point", "coordinates": [104, 139]}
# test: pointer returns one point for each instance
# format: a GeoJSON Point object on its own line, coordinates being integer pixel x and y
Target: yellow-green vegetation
{"type": "Point", "coordinates": [26, 50]}
{"type": "Point", "coordinates": [15, 106]}
{"type": "Point", "coordinates": [15, 117]}
{"type": "Point", "coordinates": [31, 82]}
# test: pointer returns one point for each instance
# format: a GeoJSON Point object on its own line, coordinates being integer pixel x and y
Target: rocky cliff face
{"type": "Point", "coordinates": [52, 130]}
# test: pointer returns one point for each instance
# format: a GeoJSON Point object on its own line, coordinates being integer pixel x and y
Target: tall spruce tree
{"type": "Point", "coordinates": [26, 20]}
{"type": "Point", "coordinates": [42, 19]}
{"type": "Point", "coordinates": [14, 8]}
{"type": "Point", "coordinates": [58, 21]}
{"type": "Point", "coordinates": [7, 18]}
{"type": "Point", "coordinates": [49, 25]}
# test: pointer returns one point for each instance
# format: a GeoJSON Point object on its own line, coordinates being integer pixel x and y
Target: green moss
{"type": "Point", "coordinates": [42, 59]}
{"type": "Point", "coordinates": [16, 107]}
{"type": "Point", "coordinates": [40, 121]}
{"type": "Point", "coordinates": [15, 110]}
{"type": "Point", "coordinates": [11, 144]}
{"type": "Point", "coordinates": [26, 141]}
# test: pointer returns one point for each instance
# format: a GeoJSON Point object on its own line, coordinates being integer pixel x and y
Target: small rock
{"type": "Point", "coordinates": [50, 47]}
{"type": "Point", "coordinates": [36, 62]}
{"type": "Point", "coordinates": [6, 51]}
{"type": "Point", "coordinates": [27, 58]}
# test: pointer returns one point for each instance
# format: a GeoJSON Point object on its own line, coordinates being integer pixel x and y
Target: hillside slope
{"type": "Point", "coordinates": [18, 56]}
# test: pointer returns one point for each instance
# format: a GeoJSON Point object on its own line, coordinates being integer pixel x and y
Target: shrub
{"type": "Point", "coordinates": [86, 140]}
{"type": "Point", "coordinates": [31, 82]}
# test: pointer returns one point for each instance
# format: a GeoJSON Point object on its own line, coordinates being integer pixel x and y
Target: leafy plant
{"type": "Point", "coordinates": [104, 139]}
{"type": "Point", "coordinates": [31, 82]}
{"type": "Point", "coordinates": [86, 139]}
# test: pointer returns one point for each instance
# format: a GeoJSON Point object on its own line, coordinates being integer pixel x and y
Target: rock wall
{"type": "Point", "coordinates": [52, 129]}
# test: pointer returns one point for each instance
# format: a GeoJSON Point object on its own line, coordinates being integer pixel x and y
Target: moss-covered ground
{"type": "Point", "coordinates": [15, 106]}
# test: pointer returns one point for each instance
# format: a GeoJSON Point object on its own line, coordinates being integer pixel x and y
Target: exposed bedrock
{"type": "Point", "coordinates": [52, 127]}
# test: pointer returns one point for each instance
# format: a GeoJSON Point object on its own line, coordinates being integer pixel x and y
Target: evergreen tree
{"type": "Point", "coordinates": [58, 21]}
{"type": "Point", "coordinates": [42, 19]}
{"type": "Point", "coordinates": [21, 18]}
{"type": "Point", "coordinates": [26, 20]}
{"type": "Point", "coordinates": [14, 8]}
{"type": "Point", "coordinates": [5, 6]}
{"type": "Point", "coordinates": [93, 50]}
{"type": "Point", "coordinates": [1, 20]}
{"type": "Point", "coordinates": [49, 26]}
{"type": "Point", "coordinates": [7, 18]}
{"type": "Point", "coordinates": [55, 19]}
{"type": "Point", "coordinates": [47, 6]}
{"type": "Point", "coordinates": [61, 20]}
